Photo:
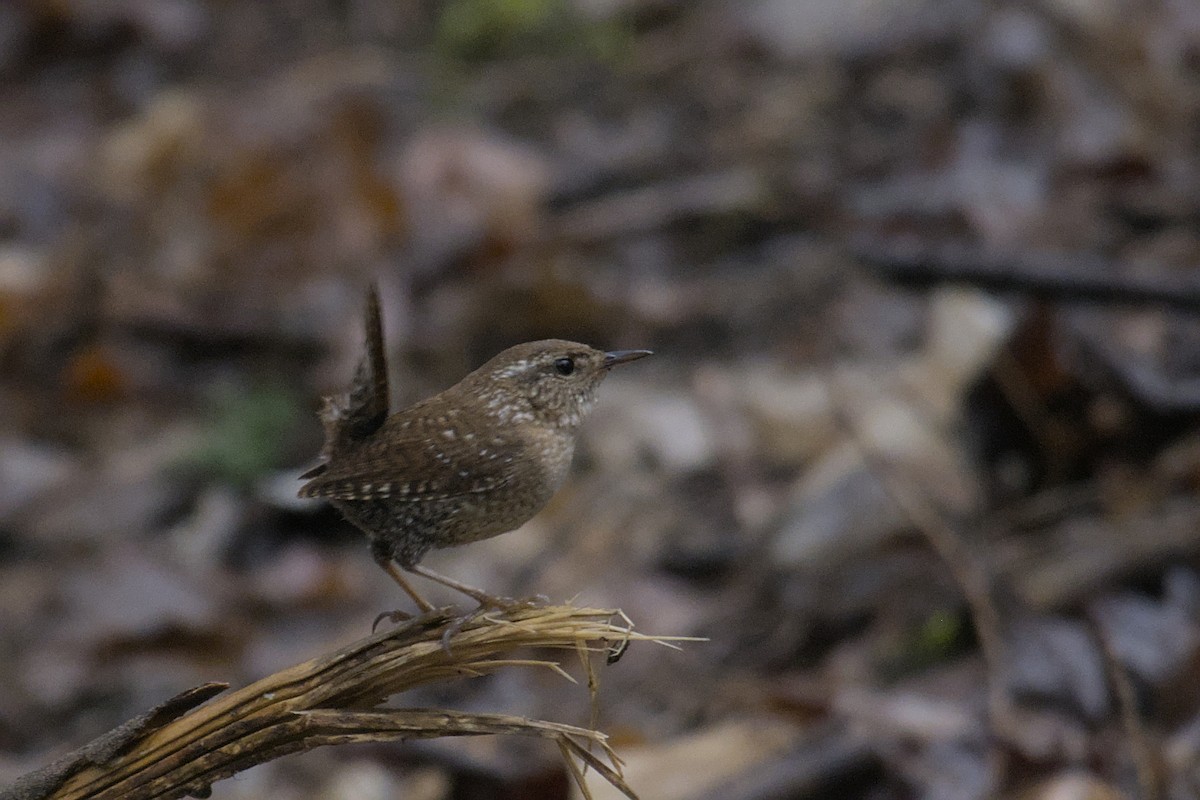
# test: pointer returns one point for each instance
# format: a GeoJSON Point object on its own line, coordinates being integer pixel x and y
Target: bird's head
{"type": "Point", "coordinates": [552, 381]}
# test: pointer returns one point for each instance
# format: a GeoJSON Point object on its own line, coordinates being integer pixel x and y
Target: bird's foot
{"type": "Point", "coordinates": [393, 617]}
{"type": "Point", "coordinates": [488, 603]}
{"type": "Point", "coordinates": [485, 600]}
{"type": "Point", "coordinates": [400, 615]}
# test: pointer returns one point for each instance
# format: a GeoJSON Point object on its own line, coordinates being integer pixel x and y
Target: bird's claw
{"type": "Point", "coordinates": [399, 615]}
{"type": "Point", "coordinates": [392, 617]}
{"type": "Point", "coordinates": [489, 603]}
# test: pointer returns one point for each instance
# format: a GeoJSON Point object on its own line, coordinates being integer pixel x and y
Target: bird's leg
{"type": "Point", "coordinates": [484, 599]}
{"type": "Point", "coordinates": [383, 558]}
{"type": "Point", "coordinates": [391, 569]}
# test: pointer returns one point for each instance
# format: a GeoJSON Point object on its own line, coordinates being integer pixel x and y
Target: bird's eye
{"type": "Point", "coordinates": [564, 366]}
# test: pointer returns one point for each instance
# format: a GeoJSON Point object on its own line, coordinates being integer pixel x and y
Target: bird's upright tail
{"type": "Point", "coordinates": [354, 415]}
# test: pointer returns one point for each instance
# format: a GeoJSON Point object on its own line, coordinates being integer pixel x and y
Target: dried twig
{"type": "Point", "coordinates": [1070, 559]}
{"type": "Point", "coordinates": [181, 749]}
{"type": "Point", "coordinates": [1143, 752]}
{"type": "Point", "coordinates": [1061, 277]}
{"type": "Point", "coordinates": [969, 569]}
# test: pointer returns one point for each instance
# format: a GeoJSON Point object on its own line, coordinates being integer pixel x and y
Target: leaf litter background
{"type": "Point", "coordinates": [944, 543]}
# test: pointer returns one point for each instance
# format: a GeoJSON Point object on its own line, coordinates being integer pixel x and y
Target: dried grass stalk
{"type": "Point", "coordinates": [179, 749]}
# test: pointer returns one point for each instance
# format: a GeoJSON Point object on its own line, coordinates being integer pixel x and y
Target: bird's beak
{"type": "Point", "coordinates": [622, 356]}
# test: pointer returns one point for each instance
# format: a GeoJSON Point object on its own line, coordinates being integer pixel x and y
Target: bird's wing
{"type": "Point", "coordinates": [415, 468]}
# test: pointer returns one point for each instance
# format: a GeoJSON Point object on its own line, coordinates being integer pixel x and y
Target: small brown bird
{"type": "Point", "coordinates": [477, 460]}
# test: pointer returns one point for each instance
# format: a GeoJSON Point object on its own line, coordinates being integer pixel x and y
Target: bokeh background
{"type": "Point", "coordinates": [943, 542]}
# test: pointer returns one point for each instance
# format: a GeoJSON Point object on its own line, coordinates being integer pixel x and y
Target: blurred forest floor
{"type": "Point", "coordinates": [944, 541]}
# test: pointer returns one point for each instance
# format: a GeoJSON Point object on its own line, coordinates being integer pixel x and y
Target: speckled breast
{"type": "Point", "coordinates": [542, 468]}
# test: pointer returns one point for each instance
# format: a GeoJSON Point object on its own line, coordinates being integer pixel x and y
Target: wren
{"type": "Point", "coordinates": [477, 460]}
